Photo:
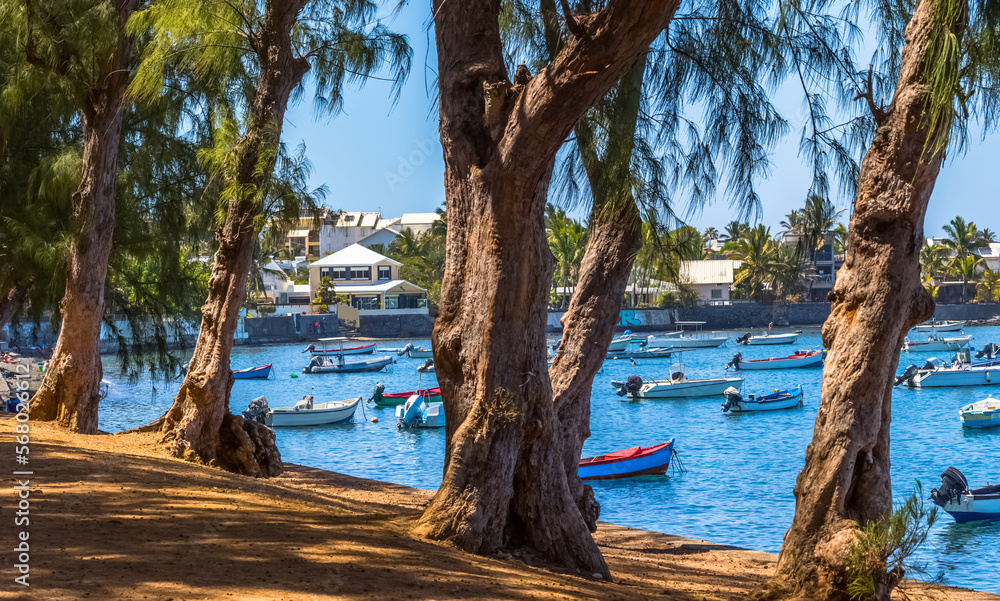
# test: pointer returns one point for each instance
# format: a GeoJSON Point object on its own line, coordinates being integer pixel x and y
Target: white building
{"type": "Point", "coordinates": [370, 280]}
{"type": "Point", "coordinates": [332, 232]}
{"type": "Point", "coordinates": [711, 279]}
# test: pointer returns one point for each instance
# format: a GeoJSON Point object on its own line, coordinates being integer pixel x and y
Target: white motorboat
{"type": "Point", "coordinates": [320, 364]}
{"type": "Point", "coordinates": [768, 338]}
{"type": "Point", "coordinates": [965, 504]}
{"type": "Point", "coordinates": [677, 387]}
{"type": "Point", "coordinates": [933, 344]}
{"type": "Point", "coordinates": [799, 359]}
{"type": "Point", "coordinates": [303, 413]}
{"type": "Point", "coordinates": [620, 343]}
{"type": "Point", "coordinates": [981, 414]}
{"type": "Point", "coordinates": [939, 326]}
{"type": "Point", "coordinates": [417, 352]}
{"type": "Point", "coordinates": [779, 399]}
{"type": "Point", "coordinates": [686, 339]}
{"type": "Point", "coordinates": [936, 374]}
{"type": "Point", "coordinates": [418, 413]}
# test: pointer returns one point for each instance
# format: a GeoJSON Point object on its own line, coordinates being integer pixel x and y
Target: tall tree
{"type": "Point", "coordinates": [963, 238]}
{"type": "Point", "coordinates": [505, 482]}
{"type": "Point", "coordinates": [84, 44]}
{"type": "Point", "coordinates": [878, 297]}
{"type": "Point", "coordinates": [255, 55]}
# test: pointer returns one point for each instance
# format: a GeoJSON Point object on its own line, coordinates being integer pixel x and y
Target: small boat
{"type": "Point", "coordinates": [939, 326]}
{"type": "Point", "coordinates": [686, 339]}
{"type": "Point", "coordinates": [933, 344]}
{"type": "Point", "coordinates": [677, 387]}
{"type": "Point", "coordinates": [263, 371]}
{"type": "Point", "coordinates": [963, 504]}
{"type": "Point", "coordinates": [418, 352]}
{"type": "Point", "coordinates": [936, 374]}
{"type": "Point", "coordinates": [799, 359]}
{"type": "Point", "coordinates": [767, 338]}
{"type": "Point", "coordinates": [303, 413]}
{"type": "Point", "coordinates": [366, 349]}
{"type": "Point", "coordinates": [981, 414]}
{"type": "Point", "coordinates": [321, 365]}
{"type": "Point", "coordinates": [427, 367]}
{"type": "Point", "coordinates": [390, 399]}
{"type": "Point", "coordinates": [649, 353]}
{"type": "Point", "coordinates": [417, 413]}
{"type": "Point", "coordinates": [636, 461]}
{"type": "Point", "coordinates": [779, 399]}
{"type": "Point", "coordinates": [620, 343]}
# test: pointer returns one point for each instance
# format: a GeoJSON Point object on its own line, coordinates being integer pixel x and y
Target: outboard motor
{"type": "Point", "coordinates": [990, 351]}
{"type": "Point", "coordinates": [732, 398]}
{"type": "Point", "coordinates": [314, 363]}
{"type": "Point", "coordinates": [256, 411]}
{"type": "Point", "coordinates": [953, 483]}
{"type": "Point", "coordinates": [735, 363]}
{"type": "Point", "coordinates": [932, 364]}
{"type": "Point", "coordinates": [907, 376]}
{"type": "Point", "coordinates": [405, 349]}
{"type": "Point", "coordinates": [428, 366]}
{"type": "Point", "coordinates": [305, 404]}
{"type": "Point", "coordinates": [309, 348]}
{"type": "Point", "coordinates": [377, 394]}
{"type": "Point", "coordinates": [411, 411]}
{"type": "Point", "coordinates": [744, 339]}
{"type": "Point", "coordinates": [631, 386]}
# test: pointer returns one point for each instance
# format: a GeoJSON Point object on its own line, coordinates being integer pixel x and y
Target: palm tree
{"type": "Point", "coordinates": [841, 238]}
{"type": "Point", "coordinates": [963, 238]}
{"type": "Point", "coordinates": [794, 221]}
{"type": "Point", "coordinates": [932, 258]}
{"type": "Point", "coordinates": [567, 241]}
{"type": "Point", "coordinates": [966, 269]}
{"type": "Point", "coordinates": [709, 235]}
{"type": "Point", "coordinates": [819, 217]}
{"type": "Point", "coordinates": [757, 251]}
{"type": "Point", "coordinates": [987, 236]}
{"type": "Point", "coordinates": [929, 286]}
{"type": "Point", "coordinates": [407, 244]}
{"type": "Point", "coordinates": [785, 271]}
{"type": "Point", "coordinates": [734, 230]}
{"type": "Point", "coordinates": [989, 285]}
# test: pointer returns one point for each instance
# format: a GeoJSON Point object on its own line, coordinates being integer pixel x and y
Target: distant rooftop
{"type": "Point", "coordinates": [354, 255]}
{"type": "Point", "coordinates": [708, 272]}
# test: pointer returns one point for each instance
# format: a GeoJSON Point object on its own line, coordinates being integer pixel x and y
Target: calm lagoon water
{"type": "Point", "coordinates": [740, 468]}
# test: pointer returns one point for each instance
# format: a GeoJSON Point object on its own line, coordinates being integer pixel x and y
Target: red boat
{"type": "Point", "coordinates": [366, 349]}
{"type": "Point", "coordinates": [636, 461]}
{"type": "Point", "coordinates": [431, 395]}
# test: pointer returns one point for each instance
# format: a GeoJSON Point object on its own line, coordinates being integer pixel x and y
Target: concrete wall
{"type": "Point", "coordinates": [396, 326]}
{"type": "Point", "coordinates": [966, 312]}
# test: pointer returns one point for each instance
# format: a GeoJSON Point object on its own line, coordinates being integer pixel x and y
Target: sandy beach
{"type": "Point", "coordinates": [113, 517]}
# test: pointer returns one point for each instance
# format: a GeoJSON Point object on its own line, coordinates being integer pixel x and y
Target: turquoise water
{"type": "Point", "coordinates": [740, 468]}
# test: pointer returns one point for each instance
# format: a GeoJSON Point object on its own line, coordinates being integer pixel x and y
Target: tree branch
{"type": "Point", "coordinates": [878, 113]}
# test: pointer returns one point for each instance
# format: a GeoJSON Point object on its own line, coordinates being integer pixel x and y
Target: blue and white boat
{"type": "Point", "coordinates": [636, 461]}
{"type": "Point", "coordinates": [263, 371]}
{"type": "Point", "coordinates": [779, 399]}
{"type": "Point", "coordinates": [965, 504]}
{"type": "Point", "coordinates": [981, 414]}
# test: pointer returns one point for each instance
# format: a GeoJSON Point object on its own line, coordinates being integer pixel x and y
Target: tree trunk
{"type": "Point", "coordinates": [12, 295]}
{"type": "Point", "coordinates": [199, 424]}
{"type": "Point", "coordinates": [877, 299]}
{"type": "Point", "coordinates": [505, 485]}
{"type": "Point", "coordinates": [70, 392]}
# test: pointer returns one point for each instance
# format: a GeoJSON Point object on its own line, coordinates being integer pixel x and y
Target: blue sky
{"type": "Point", "coordinates": [379, 157]}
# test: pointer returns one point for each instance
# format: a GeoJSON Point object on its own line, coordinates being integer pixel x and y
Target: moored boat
{"type": "Point", "coordinates": [365, 349]}
{"type": "Point", "coordinates": [321, 365]}
{"type": "Point", "coordinates": [981, 414]}
{"type": "Point", "coordinates": [303, 413]}
{"type": "Point", "coordinates": [936, 374]}
{"type": "Point", "coordinates": [798, 359]}
{"type": "Point", "coordinates": [636, 461]}
{"type": "Point", "coordinates": [263, 371]}
{"type": "Point", "coordinates": [678, 386]}
{"type": "Point", "coordinates": [416, 352]}
{"type": "Point", "coordinates": [686, 339]}
{"type": "Point", "coordinates": [650, 353]}
{"type": "Point", "coordinates": [779, 399]}
{"type": "Point", "coordinates": [620, 343]}
{"type": "Point", "coordinates": [939, 326]}
{"type": "Point", "coordinates": [417, 413]}
{"type": "Point", "coordinates": [768, 339]}
{"type": "Point", "coordinates": [933, 344]}
{"type": "Point", "coordinates": [965, 504]}
{"type": "Point", "coordinates": [391, 399]}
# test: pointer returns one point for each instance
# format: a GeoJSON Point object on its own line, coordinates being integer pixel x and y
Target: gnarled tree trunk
{"type": "Point", "coordinates": [199, 421]}
{"type": "Point", "coordinates": [878, 297]}
{"type": "Point", "coordinates": [505, 484]}
{"type": "Point", "coordinates": [70, 392]}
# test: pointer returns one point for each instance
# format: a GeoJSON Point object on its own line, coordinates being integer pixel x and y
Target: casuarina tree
{"type": "Point", "coordinates": [255, 55]}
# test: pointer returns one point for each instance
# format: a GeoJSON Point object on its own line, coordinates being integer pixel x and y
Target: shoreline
{"type": "Point", "coordinates": [118, 518]}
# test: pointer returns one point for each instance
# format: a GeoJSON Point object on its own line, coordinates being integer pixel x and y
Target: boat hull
{"type": "Point", "coordinates": [619, 344]}
{"type": "Point", "coordinates": [420, 354]}
{"type": "Point", "coordinates": [971, 507]}
{"type": "Point", "coordinates": [812, 360]}
{"type": "Point", "coordinates": [942, 378]}
{"type": "Point", "coordinates": [253, 373]}
{"type": "Point", "coordinates": [328, 413]}
{"type": "Point", "coordinates": [431, 395]}
{"type": "Point", "coordinates": [689, 389]}
{"type": "Point", "coordinates": [655, 461]}
{"type": "Point", "coordinates": [684, 342]}
{"type": "Point", "coordinates": [934, 346]}
{"type": "Point", "coordinates": [367, 349]}
{"type": "Point", "coordinates": [789, 401]}
{"type": "Point", "coordinates": [982, 414]}
{"type": "Point", "coordinates": [773, 339]}
{"type": "Point", "coordinates": [955, 326]}
{"type": "Point", "coordinates": [375, 364]}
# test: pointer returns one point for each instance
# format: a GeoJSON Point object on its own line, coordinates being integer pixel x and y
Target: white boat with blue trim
{"type": "Point", "coordinates": [939, 374]}
{"type": "Point", "coordinates": [677, 387]}
{"type": "Point", "coordinates": [695, 338]}
{"type": "Point", "coordinates": [981, 414]}
{"type": "Point", "coordinates": [939, 326]}
{"type": "Point", "coordinates": [767, 338]}
{"type": "Point", "coordinates": [779, 399]}
{"type": "Point", "coordinates": [934, 344]}
{"type": "Point", "coordinates": [965, 504]}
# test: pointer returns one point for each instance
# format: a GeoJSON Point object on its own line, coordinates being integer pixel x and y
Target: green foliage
{"type": "Point", "coordinates": [933, 258]}
{"type": "Point", "coordinates": [989, 286]}
{"type": "Point", "coordinates": [301, 276]}
{"type": "Point", "coordinates": [325, 294]}
{"type": "Point", "coordinates": [685, 297]}
{"type": "Point", "coordinates": [567, 239]}
{"type": "Point", "coordinates": [880, 552]}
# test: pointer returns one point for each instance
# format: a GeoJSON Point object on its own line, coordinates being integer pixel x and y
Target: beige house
{"type": "Point", "coordinates": [711, 279]}
{"type": "Point", "coordinates": [370, 280]}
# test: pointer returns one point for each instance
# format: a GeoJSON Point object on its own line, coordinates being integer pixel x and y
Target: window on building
{"type": "Point", "coordinates": [361, 273]}
{"type": "Point", "coordinates": [339, 273]}
{"type": "Point", "coordinates": [716, 293]}
{"type": "Point", "coordinates": [324, 272]}
{"type": "Point", "coordinates": [385, 273]}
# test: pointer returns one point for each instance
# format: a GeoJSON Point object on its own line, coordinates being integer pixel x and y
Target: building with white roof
{"type": "Point", "coordinates": [332, 232]}
{"type": "Point", "coordinates": [369, 279]}
{"type": "Point", "coordinates": [711, 279]}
